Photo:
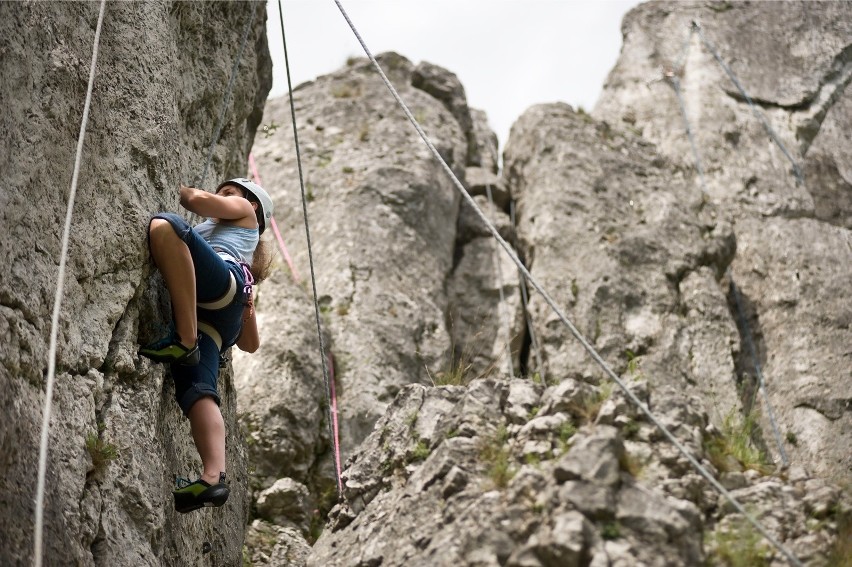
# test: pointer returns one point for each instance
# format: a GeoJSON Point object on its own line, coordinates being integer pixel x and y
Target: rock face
{"type": "Point", "coordinates": [408, 278]}
{"type": "Point", "coordinates": [615, 223]}
{"type": "Point", "coordinates": [466, 441]}
{"type": "Point", "coordinates": [117, 436]}
{"type": "Point", "coordinates": [383, 218]}
{"type": "Point", "coordinates": [630, 248]}
{"type": "Point", "coordinates": [794, 259]}
{"type": "Point", "coordinates": [507, 472]}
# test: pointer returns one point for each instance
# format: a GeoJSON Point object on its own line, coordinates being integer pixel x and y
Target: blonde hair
{"type": "Point", "coordinates": [261, 263]}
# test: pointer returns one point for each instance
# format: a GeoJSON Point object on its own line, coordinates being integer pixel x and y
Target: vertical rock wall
{"type": "Point", "coordinates": [383, 217]}
{"type": "Point", "coordinates": [406, 277]}
{"type": "Point", "coordinates": [614, 223]}
{"type": "Point", "coordinates": [117, 437]}
{"type": "Point", "coordinates": [629, 249]}
{"type": "Point", "coordinates": [794, 255]}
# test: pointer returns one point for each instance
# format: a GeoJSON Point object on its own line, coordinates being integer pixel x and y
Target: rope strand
{"type": "Point", "coordinates": [574, 331]}
{"type": "Point", "coordinates": [57, 301]}
{"type": "Point", "coordinates": [797, 171]}
{"type": "Point", "coordinates": [740, 311]}
{"type": "Point", "coordinates": [331, 419]}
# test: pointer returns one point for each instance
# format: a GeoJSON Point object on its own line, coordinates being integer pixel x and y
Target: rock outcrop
{"type": "Point", "coordinates": [117, 436]}
{"type": "Point", "coordinates": [383, 216]}
{"type": "Point", "coordinates": [615, 223]}
{"type": "Point", "coordinates": [466, 442]}
{"type": "Point", "coordinates": [794, 258]}
{"type": "Point", "coordinates": [507, 472]}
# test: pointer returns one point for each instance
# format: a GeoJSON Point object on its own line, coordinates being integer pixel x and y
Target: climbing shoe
{"type": "Point", "coordinates": [194, 495]}
{"type": "Point", "coordinates": [170, 351]}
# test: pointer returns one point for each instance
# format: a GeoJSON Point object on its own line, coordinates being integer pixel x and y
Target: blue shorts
{"type": "Point", "coordinates": [218, 326]}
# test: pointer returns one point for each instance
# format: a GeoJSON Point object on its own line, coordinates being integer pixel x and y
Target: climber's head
{"type": "Point", "coordinates": [255, 194]}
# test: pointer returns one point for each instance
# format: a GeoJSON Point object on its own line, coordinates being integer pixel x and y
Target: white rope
{"type": "Point", "coordinates": [330, 400]}
{"type": "Point", "coordinates": [696, 156]}
{"type": "Point", "coordinates": [577, 335]}
{"type": "Point", "coordinates": [57, 303]}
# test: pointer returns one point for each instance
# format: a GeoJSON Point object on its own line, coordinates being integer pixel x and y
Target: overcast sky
{"type": "Point", "coordinates": [508, 54]}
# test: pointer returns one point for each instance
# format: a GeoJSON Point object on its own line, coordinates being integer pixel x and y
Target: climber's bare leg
{"type": "Point", "coordinates": [208, 431]}
{"type": "Point", "coordinates": [174, 261]}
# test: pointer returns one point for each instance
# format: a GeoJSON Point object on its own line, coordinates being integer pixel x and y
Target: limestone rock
{"type": "Point", "coordinates": [117, 437]}
{"type": "Point", "coordinates": [382, 215]}
{"type": "Point", "coordinates": [611, 230]}
{"type": "Point", "coordinates": [285, 503]}
{"type": "Point", "coordinates": [487, 334]}
{"type": "Point", "coordinates": [377, 200]}
{"type": "Point", "coordinates": [793, 254]}
{"type": "Point", "coordinates": [499, 509]}
{"type": "Point", "coordinates": [271, 545]}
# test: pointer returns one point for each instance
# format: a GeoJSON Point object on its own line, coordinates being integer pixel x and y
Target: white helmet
{"type": "Point", "coordinates": [259, 193]}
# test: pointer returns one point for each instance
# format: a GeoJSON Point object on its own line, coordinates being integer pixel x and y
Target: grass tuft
{"type": "Point", "coordinates": [611, 530]}
{"type": "Point", "coordinates": [737, 545]}
{"type": "Point", "coordinates": [421, 451]}
{"type": "Point", "coordinates": [566, 432]}
{"type": "Point", "coordinates": [736, 443]}
{"type": "Point", "coordinates": [493, 451]}
{"type": "Point", "coordinates": [100, 451]}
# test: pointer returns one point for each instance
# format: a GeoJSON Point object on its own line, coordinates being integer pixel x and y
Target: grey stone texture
{"type": "Point", "coordinates": [617, 226]}
{"type": "Point", "coordinates": [794, 259]}
{"type": "Point", "coordinates": [158, 91]}
{"type": "Point", "coordinates": [383, 218]}
{"type": "Point", "coordinates": [466, 493]}
{"type": "Point", "coordinates": [552, 466]}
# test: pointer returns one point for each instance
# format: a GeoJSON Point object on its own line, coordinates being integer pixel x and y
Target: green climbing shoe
{"type": "Point", "coordinates": [194, 495]}
{"type": "Point", "coordinates": [169, 350]}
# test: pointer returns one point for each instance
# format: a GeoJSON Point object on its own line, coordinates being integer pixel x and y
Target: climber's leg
{"type": "Point", "coordinates": [208, 431]}
{"type": "Point", "coordinates": [174, 261]}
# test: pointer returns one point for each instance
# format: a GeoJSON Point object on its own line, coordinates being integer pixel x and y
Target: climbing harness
{"type": "Point", "coordinates": [330, 404]}
{"type": "Point", "coordinates": [248, 278]}
{"type": "Point", "coordinates": [673, 77]}
{"type": "Point", "coordinates": [574, 331]}
{"type": "Point", "coordinates": [57, 302]}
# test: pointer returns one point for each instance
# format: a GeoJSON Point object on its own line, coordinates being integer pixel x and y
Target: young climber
{"type": "Point", "coordinates": [209, 271]}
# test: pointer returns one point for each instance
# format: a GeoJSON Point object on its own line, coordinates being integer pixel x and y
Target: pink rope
{"type": "Point", "coordinates": [334, 422]}
{"type": "Point", "coordinates": [284, 252]}
{"type": "Point", "coordinates": [281, 245]}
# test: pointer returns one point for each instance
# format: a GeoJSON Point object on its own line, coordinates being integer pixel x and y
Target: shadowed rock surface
{"type": "Point", "coordinates": [117, 437]}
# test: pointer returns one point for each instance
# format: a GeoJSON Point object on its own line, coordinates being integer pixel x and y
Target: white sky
{"type": "Point", "coordinates": [508, 54]}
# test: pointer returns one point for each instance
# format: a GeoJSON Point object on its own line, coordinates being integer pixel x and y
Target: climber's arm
{"type": "Point", "coordinates": [210, 205]}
